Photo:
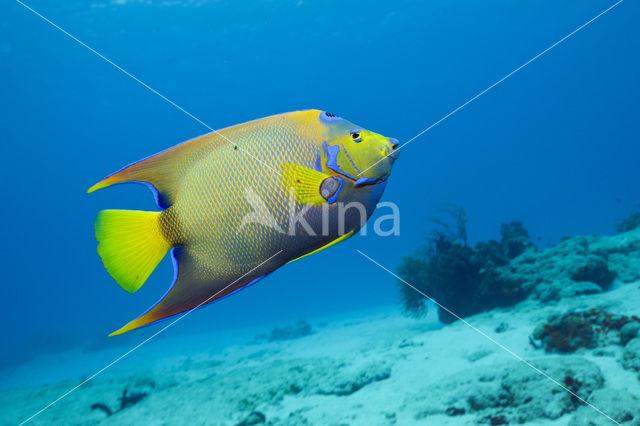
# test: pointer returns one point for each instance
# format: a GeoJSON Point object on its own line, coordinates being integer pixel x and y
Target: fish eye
{"type": "Point", "coordinates": [356, 136]}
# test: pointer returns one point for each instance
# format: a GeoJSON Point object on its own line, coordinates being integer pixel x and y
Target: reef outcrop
{"type": "Point", "coordinates": [578, 265]}
{"type": "Point", "coordinates": [468, 280]}
{"type": "Point", "coordinates": [630, 223]}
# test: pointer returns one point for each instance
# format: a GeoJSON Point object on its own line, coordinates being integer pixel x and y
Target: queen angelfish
{"type": "Point", "coordinates": [241, 202]}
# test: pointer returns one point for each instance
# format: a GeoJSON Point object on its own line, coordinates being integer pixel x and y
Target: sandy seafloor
{"type": "Point", "coordinates": [366, 368]}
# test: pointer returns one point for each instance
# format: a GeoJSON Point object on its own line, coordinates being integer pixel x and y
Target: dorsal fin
{"type": "Point", "coordinates": [162, 172]}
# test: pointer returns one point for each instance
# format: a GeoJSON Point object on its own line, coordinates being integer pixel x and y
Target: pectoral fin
{"type": "Point", "coordinates": [311, 186]}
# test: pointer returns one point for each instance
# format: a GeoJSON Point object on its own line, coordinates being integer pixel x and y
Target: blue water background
{"type": "Point", "coordinates": [556, 145]}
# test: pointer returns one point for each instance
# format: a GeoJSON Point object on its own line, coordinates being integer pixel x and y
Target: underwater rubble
{"type": "Point", "coordinates": [621, 406]}
{"type": "Point", "coordinates": [513, 392]}
{"type": "Point", "coordinates": [631, 356]}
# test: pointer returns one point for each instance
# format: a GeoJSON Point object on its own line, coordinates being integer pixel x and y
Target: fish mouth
{"type": "Point", "coordinates": [391, 151]}
{"type": "Point", "coordinates": [364, 181]}
{"type": "Point", "coordinates": [394, 152]}
{"type": "Point", "coordinates": [332, 151]}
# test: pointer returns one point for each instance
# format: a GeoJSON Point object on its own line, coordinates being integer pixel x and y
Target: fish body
{"type": "Point", "coordinates": [241, 202]}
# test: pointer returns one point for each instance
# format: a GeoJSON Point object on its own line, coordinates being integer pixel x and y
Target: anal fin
{"type": "Point", "coordinates": [189, 290]}
{"type": "Point", "coordinates": [326, 246]}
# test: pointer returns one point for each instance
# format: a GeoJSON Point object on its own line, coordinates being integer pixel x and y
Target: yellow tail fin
{"type": "Point", "coordinates": [131, 245]}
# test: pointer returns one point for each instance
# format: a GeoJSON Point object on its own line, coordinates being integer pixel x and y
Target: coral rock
{"type": "Point", "coordinates": [513, 390]}
{"type": "Point", "coordinates": [254, 418]}
{"type": "Point", "coordinates": [595, 270]}
{"type": "Point", "coordinates": [579, 289]}
{"type": "Point", "coordinates": [629, 331]}
{"type": "Point", "coordinates": [620, 405]}
{"type": "Point", "coordinates": [631, 355]}
{"type": "Point", "coordinates": [556, 272]}
{"type": "Point", "coordinates": [628, 224]}
{"type": "Point", "coordinates": [515, 239]}
{"type": "Point", "coordinates": [573, 330]}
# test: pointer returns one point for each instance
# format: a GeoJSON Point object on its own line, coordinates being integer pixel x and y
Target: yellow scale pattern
{"type": "Point", "coordinates": [211, 201]}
